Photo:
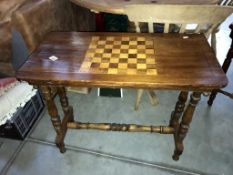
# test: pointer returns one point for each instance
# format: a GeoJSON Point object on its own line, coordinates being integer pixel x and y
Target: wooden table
{"type": "Point", "coordinates": [117, 6]}
{"type": "Point", "coordinates": [126, 60]}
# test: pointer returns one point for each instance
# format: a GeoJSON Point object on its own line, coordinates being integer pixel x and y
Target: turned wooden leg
{"type": "Point", "coordinates": [139, 96]}
{"type": "Point", "coordinates": [153, 98]}
{"type": "Point", "coordinates": [55, 118]}
{"type": "Point", "coordinates": [184, 125]}
{"type": "Point", "coordinates": [180, 105]}
{"type": "Point", "coordinates": [68, 110]}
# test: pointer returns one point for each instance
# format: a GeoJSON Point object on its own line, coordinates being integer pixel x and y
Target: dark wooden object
{"type": "Point", "coordinates": [179, 63]}
{"type": "Point", "coordinates": [225, 68]}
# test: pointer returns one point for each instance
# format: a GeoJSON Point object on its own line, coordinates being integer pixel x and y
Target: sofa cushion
{"type": "Point", "coordinates": [6, 84]}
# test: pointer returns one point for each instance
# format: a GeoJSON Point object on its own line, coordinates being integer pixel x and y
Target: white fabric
{"type": "Point", "coordinates": [16, 97]}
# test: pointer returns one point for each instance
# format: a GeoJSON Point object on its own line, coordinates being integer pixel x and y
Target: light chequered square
{"type": "Point", "coordinates": [120, 55]}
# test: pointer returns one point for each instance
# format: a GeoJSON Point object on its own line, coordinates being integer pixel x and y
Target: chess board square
{"type": "Point", "coordinates": [141, 60]}
{"type": "Point", "coordinates": [104, 65]}
{"type": "Point", "coordinates": [115, 55]}
{"type": "Point", "coordinates": [150, 56]}
{"type": "Point", "coordinates": [150, 51]}
{"type": "Point", "coordinates": [124, 46]}
{"type": "Point", "coordinates": [132, 60]}
{"type": "Point", "coordinates": [141, 71]}
{"type": "Point", "coordinates": [108, 46]}
{"type": "Point", "coordinates": [141, 50]}
{"type": "Point", "coordinates": [113, 65]}
{"type": "Point", "coordinates": [117, 38]}
{"type": "Point", "coordinates": [117, 42]}
{"type": "Point", "coordinates": [112, 71]}
{"type": "Point", "coordinates": [141, 39]}
{"type": "Point", "coordinates": [110, 38]}
{"type": "Point", "coordinates": [141, 47]}
{"type": "Point", "coordinates": [114, 60]}
{"type": "Point", "coordinates": [116, 51]}
{"type": "Point", "coordinates": [92, 46]}
{"type": "Point", "coordinates": [125, 42]}
{"type": "Point", "coordinates": [132, 55]}
{"type": "Point", "coordinates": [95, 65]}
{"type": "Point", "coordinates": [107, 50]}
{"type": "Point", "coordinates": [149, 43]}
{"type": "Point", "coordinates": [124, 50]}
{"type": "Point", "coordinates": [125, 38]}
{"type": "Point", "coordinates": [141, 66]}
{"type": "Point", "coordinates": [109, 42]}
{"type": "Point", "coordinates": [103, 70]}
{"type": "Point", "coordinates": [101, 42]}
{"type": "Point", "coordinates": [132, 46]}
{"type": "Point", "coordinates": [98, 55]}
{"type": "Point", "coordinates": [123, 60]}
{"type": "Point", "coordinates": [96, 60]}
{"type": "Point", "coordinates": [123, 55]}
{"type": "Point", "coordinates": [132, 66]}
{"type": "Point", "coordinates": [149, 46]}
{"type": "Point", "coordinates": [107, 55]}
{"type": "Point", "coordinates": [95, 38]}
{"type": "Point", "coordinates": [141, 56]}
{"type": "Point", "coordinates": [100, 46]}
{"type": "Point", "coordinates": [105, 60]}
{"type": "Point", "coordinates": [90, 54]}
{"type": "Point", "coordinates": [131, 71]}
{"type": "Point", "coordinates": [151, 66]}
{"type": "Point", "coordinates": [141, 42]}
{"type": "Point", "coordinates": [150, 61]}
{"type": "Point", "coordinates": [133, 38]}
{"type": "Point", "coordinates": [99, 50]}
{"type": "Point", "coordinates": [122, 66]}
{"type": "Point", "coordinates": [151, 72]}
{"type": "Point", "coordinates": [132, 42]}
{"type": "Point", "coordinates": [86, 65]}
{"type": "Point", "coordinates": [122, 71]}
{"type": "Point", "coordinates": [116, 46]}
{"type": "Point", "coordinates": [132, 51]}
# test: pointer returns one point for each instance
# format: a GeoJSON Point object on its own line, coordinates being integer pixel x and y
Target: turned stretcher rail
{"type": "Point", "coordinates": [121, 127]}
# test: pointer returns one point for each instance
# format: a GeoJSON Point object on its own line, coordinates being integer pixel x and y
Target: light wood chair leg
{"type": "Point", "coordinates": [153, 97]}
{"type": "Point", "coordinates": [139, 96]}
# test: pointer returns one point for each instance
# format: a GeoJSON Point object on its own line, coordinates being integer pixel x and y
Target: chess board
{"type": "Point", "coordinates": [120, 55]}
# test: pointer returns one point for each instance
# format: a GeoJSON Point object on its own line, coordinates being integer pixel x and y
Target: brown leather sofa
{"type": "Point", "coordinates": [32, 19]}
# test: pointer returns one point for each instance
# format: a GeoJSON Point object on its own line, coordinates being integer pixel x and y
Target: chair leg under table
{"type": "Point", "coordinates": [55, 118]}
{"type": "Point", "coordinates": [184, 125]}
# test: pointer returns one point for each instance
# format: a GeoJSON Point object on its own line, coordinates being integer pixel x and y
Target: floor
{"type": "Point", "coordinates": [208, 146]}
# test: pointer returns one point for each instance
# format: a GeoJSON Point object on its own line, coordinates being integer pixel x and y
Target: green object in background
{"type": "Point", "coordinates": [115, 23]}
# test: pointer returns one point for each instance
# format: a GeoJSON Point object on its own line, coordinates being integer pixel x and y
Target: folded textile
{"type": "Point", "coordinates": [13, 99]}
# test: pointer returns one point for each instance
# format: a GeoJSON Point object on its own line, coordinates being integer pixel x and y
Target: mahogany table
{"type": "Point", "coordinates": [126, 60]}
{"type": "Point", "coordinates": [118, 6]}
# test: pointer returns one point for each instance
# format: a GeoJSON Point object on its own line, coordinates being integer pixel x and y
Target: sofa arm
{"type": "Point", "coordinates": [33, 20]}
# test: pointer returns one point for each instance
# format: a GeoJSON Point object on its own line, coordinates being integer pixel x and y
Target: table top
{"type": "Point", "coordinates": [117, 6]}
{"type": "Point", "coordinates": [130, 60]}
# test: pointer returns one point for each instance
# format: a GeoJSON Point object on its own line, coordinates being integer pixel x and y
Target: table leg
{"type": "Point", "coordinates": [55, 118]}
{"type": "Point", "coordinates": [184, 125]}
{"type": "Point", "coordinates": [68, 110]}
{"type": "Point", "coordinates": [180, 105]}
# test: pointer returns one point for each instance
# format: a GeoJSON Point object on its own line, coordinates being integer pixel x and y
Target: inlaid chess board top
{"type": "Point", "coordinates": [120, 55]}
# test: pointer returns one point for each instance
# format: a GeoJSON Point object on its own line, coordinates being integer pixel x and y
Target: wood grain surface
{"type": "Point", "coordinates": [117, 7]}
{"type": "Point", "coordinates": [183, 62]}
